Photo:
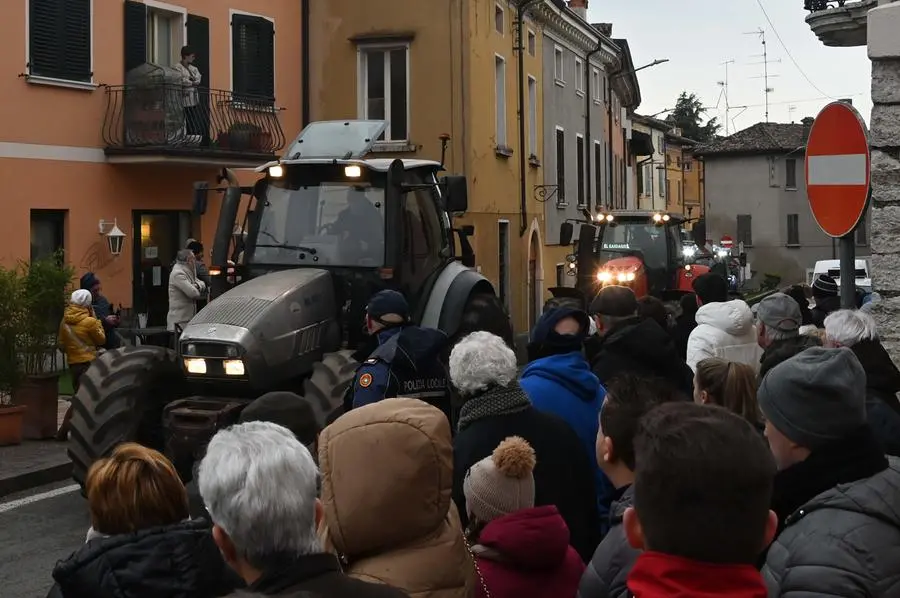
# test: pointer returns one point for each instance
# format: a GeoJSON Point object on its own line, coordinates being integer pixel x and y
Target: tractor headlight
{"type": "Point", "coordinates": [195, 366]}
{"type": "Point", "coordinates": [630, 277]}
{"type": "Point", "coordinates": [604, 276]}
{"type": "Point", "coordinates": [234, 367]}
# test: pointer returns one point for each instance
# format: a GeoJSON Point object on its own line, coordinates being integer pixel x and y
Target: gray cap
{"type": "Point", "coordinates": [780, 311]}
{"type": "Point", "coordinates": [815, 397]}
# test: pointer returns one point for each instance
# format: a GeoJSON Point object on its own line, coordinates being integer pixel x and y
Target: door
{"type": "Point", "coordinates": [158, 235]}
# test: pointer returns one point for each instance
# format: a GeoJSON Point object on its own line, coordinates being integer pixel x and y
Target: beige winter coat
{"type": "Point", "coordinates": [184, 290]}
{"type": "Point", "coordinates": [387, 477]}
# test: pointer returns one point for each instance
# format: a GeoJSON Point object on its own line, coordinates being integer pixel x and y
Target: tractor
{"type": "Point", "coordinates": [635, 248]}
{"type": "Point", "coordinates": [295, 258]}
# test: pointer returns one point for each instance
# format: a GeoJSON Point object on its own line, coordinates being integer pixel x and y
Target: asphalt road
{"type": "Point", "coordinates": [38, 528]}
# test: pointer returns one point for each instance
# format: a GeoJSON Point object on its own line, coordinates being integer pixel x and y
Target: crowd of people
{"type": "Point", "coordinates": [727, 452]}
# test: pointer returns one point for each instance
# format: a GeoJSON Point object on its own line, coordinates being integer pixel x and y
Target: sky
{"type": "Point", "coordinates": [698, 36]}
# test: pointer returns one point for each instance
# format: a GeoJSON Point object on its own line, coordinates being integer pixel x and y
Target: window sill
{"type": "Point", "coordinates": [559, 82]}
{"type": "Point", "coordinates": [579, 93]}
{"type": "Point", "coordinates": [394, 147]}
{"type": "Point", "coordinates": [503, 151]}
{"type": "Point", "coordinates": [50, 81]}
{"type": "Point", "coordinates": [533, 161]}
{"type": "Point", "coordinates": [790, 189]}
{"type": "Point", "coordinates": [790, 245]}
{"type": "Point", "coordinates": [562, 205]}
{"type": "Point", "coordinates": [597, 102]}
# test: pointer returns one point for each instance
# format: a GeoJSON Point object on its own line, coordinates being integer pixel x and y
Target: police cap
{"type": "Point", "coordinates": [388, 302]}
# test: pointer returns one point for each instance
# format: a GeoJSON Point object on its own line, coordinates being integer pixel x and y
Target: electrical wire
{"type": "Point", "coordinates": [788, 52]}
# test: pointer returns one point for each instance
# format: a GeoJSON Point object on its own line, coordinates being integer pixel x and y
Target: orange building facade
{"type": "Point", "coordinates": [99, 128]}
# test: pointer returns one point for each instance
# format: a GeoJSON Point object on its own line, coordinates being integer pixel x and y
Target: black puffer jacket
{"type": "Point", "coordinates": [824, 306]}
{"type": "Point", "coordinates": [784, 349]}
{"type": "Point", "coordinates": [882, 386]}
{"type": "Point", "coordinates": [606, 575]}
{"type": "Point", "coordinates": [844, 542]}
{"type": "Point", "coordinates": [178, 561]}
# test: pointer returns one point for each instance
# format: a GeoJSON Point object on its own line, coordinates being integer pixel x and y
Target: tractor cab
{"type": "Point", "coordinates": [639, 249]}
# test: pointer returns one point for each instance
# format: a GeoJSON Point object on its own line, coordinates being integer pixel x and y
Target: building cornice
{"type": "Point", "coordinates": [581, 36]}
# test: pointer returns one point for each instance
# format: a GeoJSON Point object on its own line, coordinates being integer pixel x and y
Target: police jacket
{"type": "Point", "coordinates": [407, 363]}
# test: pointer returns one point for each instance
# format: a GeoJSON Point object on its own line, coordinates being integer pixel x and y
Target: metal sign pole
{"type": "Point", "coordinates": [848, 271]}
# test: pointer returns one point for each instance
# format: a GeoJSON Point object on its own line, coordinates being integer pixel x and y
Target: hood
{"type": "Point", "coordinates": [387, 475]}
{"type": "Point", "coordinates": [618, 507]}
{"type": "Point", "coordinates": [569, 370]}
{"type": "Point", "coordinates": [733, 317]}
{"type": "Point", "coordinates": [74, 314]}
{"type": "Point", "coordinates": [657, 575]}
{"type": "Point", "coordinates": [531, 538]}
{"type": "Point", "coordinates": [875, 497]}
{"type": "Point", "coordinates": [881, 372]}
{"type": "Point", "coordinates": [644, 340]}
{"type": "Point", "coordinates": [420, 344]}
{"type": "Point", "coordinates": [178, 560]}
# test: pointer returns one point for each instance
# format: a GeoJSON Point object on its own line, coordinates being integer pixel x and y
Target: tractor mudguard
{"type": "Point", "coordinates": [449, 295]}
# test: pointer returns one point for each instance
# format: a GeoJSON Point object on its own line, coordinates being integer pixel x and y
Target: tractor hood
{"type": "Point", "coordinates": [624, 264]}
{"type": "Point", "coordinates": [269, 322]}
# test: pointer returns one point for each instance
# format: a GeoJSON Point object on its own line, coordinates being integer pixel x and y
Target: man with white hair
{"type": "Point", "coordinates": [858, 331]}
{"type": "Point", "coordinates": [259, 484]}
{"type": "Point", "coordinates": [779, 320]}
{"type": "Point", "coordinates": [483, 372]}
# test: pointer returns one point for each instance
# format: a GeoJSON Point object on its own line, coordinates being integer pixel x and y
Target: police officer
{"type": "Point", "coordinates": [407, 362]}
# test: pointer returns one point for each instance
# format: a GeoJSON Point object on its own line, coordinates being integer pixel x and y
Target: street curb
{"type": "Point", "coordinates": [34, 479]}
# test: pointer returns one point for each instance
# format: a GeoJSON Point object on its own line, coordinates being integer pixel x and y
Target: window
{"type": "Point", "coordinates": [688, 165]}
{"type": "Point", "coordinates": [532, 43]}
{"type": "Point", "coordinates": [560, 275]}
{"type": "Point", "coordinates": [661, 172]}
{"type": "Point", "coordinates": [598, 172]}
{"type": "Point", "coordinates": [579, 76]}
{"type": "Point", "coordinates": [559, 65]}
{"type": "Point", "coordinates": [59, 40]}
{"type": "Point", "coordinates": [503, 269]}
{"type": "Point", "coordinates": [605, 89]}
{"type": "Point", "coordinates": [47, 233]}
{"type": "Point", "coordinates": [579, 157]}
{"type": "Point", "coordinates": [596, 85]}
{"type": "Point", "coordinates": [862, 233]}
{"type": "Point", "coordinates": [500, 95]}
{"type": "Point", "coordinates": [532, 116]}
{"type": "Point", "coordinates": [253, 56]}
{"type": "Point", "coordinates": [165, 36]}
{"type": "Point", "coordinates": [560, 166]}
{"type": "Point", "coordinates": [790, 174]}
{"type": "Point", "coordinates": [384, 83]}
{"type": "Point", "coordinates": [423, 247]}
{"type": "Point", "coordinates": [745, 230]}
{"type": "Point", "coordinates": [793, 229]}
{"type": "Point", "coordinates": [647, 177]}
{"type": "Point", "coordinates": [499, 19]}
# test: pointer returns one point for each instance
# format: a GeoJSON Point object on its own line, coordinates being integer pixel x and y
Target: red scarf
{"type": "Point", "coordinates": [657, 575]}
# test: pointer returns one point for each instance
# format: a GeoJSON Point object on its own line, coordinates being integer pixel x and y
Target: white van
{"type": "Point", "coordinates": [833, 269]}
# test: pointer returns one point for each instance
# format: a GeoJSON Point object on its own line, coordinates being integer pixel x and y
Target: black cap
{"type": "Point", "coordinates": [615, 301]}
{"type": "Point", "coordinates": [195, 246]}
{"type": "Point", "coordinates": [387, 302]}
{"type": "Point", "coordinates": [186, 51]}
{"type": "Point", "coordinates": [285, 409]}
{"type": "Point", "coordinates": [711, 288]}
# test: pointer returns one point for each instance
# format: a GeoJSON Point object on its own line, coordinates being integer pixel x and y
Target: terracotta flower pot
{"type": "Point", "coordinates": [11, 423]}
{"type": "Point", "coordinates": [40, 394]}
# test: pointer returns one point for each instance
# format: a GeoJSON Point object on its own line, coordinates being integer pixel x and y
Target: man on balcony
{"type": "Point", "coordinates": [193, 116]}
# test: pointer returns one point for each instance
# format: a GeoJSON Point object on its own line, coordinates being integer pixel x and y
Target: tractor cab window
{"type": "Point", "coordinates": [425, 241]}
{"type": "Point", "coordinates": [322, 223]}
{"type": "Point", "coordinates": [642, 239]}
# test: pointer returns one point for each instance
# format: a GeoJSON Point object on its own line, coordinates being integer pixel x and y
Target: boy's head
{"type": "Point", "coordinates": [628, 399]}
{"type": "Point", "coordinates": [702, 487]}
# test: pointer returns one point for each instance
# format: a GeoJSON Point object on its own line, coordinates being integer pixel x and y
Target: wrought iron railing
{"type": "Point", "coordinates": [820, 5]}
{"type": "Point", "coordinates": [167, 117]}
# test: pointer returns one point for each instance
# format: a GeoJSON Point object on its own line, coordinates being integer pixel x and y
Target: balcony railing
{"type": "Point", "coordinates": [171, 120]}
{"type": "Point", "coordinates": [819, 5]}
{"type": "Point", "coordinates": [840, 23]}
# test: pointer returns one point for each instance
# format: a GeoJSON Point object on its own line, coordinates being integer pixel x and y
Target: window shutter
{"type": "Point", "coordinates": [135, 35]}
{"type": "Point", "coordinates": [59, 39]}
{"type": "Point", "coordinates": [253, 56]}
{"type": "Point", "coordinates": [198, 40]}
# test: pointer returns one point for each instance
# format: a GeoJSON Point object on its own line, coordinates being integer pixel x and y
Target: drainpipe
{"type": "Point", "coordinates": [304, 61]}
{"type": "Point", "coordinates": [588, 106]}
{"type": "Point", "coordinates": [520, 47]}
{"type": "Point", "coordinates": [610, 157]}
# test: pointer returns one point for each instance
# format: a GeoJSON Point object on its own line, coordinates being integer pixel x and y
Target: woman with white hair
{"type": "Point", "coordinates": [483, 372]}
{"type": "Point", "coordinates": [858, 331]}
{"type": "Point", "coordinates": [80, 336]}
{"type": "Point", "coordinates": [185, 289]}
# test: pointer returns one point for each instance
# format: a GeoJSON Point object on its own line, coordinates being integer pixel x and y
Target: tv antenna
{"type": "Point", "coordinates": [765, 63]}
{"type": "Point", "coordinates": [724, 94]}
{"type": "Point", "coordinates": [791, 109]}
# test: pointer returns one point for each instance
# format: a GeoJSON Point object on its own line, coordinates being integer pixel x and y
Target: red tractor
{"type": "Point", "coordinates": [635, 248]}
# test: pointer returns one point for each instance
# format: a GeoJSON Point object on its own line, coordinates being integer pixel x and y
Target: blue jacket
{"type": "Point", "coordinates": [565, 386]}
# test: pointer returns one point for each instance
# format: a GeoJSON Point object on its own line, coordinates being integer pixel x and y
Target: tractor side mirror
{"type": "Point", "coordinates": [201, 197]}
{"type": "Point", "coordinates": [456, 189]}
{"type": "Point", "coordinates": [566, 232]}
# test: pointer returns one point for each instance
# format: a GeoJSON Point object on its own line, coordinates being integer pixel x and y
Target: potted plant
{"type": "Point", "coordinates": [45, 287]}
{"type": "Point", "coordinates": [11, 416]}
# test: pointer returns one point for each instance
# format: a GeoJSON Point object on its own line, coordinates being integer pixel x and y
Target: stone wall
{"type": "Point", "coordinates": [884, 138]}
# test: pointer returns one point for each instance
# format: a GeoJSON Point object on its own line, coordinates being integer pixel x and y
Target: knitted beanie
{"type": "Point", "coordinates": [502, 483]}
{"type": "Point", "coordinates": [825, 286]}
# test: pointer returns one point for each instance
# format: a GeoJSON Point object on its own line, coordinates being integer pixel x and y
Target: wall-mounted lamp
{"type": "Point", "coordinates": [115, 238]}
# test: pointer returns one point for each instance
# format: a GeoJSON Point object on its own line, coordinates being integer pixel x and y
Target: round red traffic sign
{"type": "Point", "coordinates": [727, 241]}
{"type": "Point", "coordinates": [838, 167]}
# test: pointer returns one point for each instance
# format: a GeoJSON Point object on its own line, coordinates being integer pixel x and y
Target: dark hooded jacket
{"type": "Point", "coordinates": [882, 386]}
{"type": "Point", "coordinates": [641, 347]}
{"type": "Point", "coordinates": [782, 350]}
{"type": "Point", "coordinates": [824, 305]}
{"type": "Point", "coordinates": [102, 309]}
{"type": "Point", "coordinates": [176, 561]}
{"type": "Point", "coordinates": [606, 575]}
{"type": "Point", "coordinates": [685, 324]}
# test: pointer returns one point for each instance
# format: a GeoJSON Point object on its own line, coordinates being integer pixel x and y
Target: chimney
{"type": "Point", "coordinates": [579, 7]}
{"type": "Point", "coordinates": [807, 125]}
{"type": "Point", "coordinates": [603, 28]}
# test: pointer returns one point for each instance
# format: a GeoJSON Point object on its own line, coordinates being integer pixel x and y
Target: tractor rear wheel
{"type": "Point", "coordinates": [121, 399]}
{"type": "Point", "coordinates": [484, 311]}
{"type": "Point", "coordinates": [330, 379]}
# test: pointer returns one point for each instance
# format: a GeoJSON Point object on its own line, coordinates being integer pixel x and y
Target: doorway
{"type": "Point", "coordinates": [158, 235]}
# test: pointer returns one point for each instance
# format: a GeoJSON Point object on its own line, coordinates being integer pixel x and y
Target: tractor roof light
{"type": "Point", "coordinates": [610, 217]}
{"type": "Point", "coordinates": [352, 171]}
{"type": "Point", "coordinates": [666, 217]}
{"type": "Point", "coordinates": [276, 171]}
{"type": "Point", "coordinates": [657, 217]}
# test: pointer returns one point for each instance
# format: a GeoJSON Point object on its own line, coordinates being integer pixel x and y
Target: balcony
{"type": "Point", "coordinates": [840, 23]}
{"type": "Point", "coordinates": [150, 123]}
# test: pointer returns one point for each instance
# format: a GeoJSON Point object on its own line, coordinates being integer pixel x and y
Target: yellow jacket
{"type": "Point", "coordinates": [80, 333]}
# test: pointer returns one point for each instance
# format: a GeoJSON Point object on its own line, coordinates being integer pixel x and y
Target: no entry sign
{"type": "Point", "coordinates": [838, 169]}
{"type": "Point", "coordinates": [727, 242]}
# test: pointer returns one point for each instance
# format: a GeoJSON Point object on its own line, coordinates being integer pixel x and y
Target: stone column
{"type": "Point", "coordinates": [884, 138]}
